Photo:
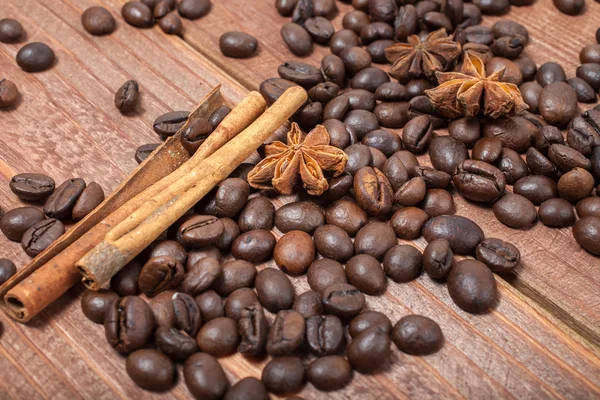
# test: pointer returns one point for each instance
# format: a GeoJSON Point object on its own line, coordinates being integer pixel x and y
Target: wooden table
{"type": "Point", "coordinates": [541, 341]}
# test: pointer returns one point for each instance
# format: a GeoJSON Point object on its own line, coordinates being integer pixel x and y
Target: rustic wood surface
{"type": "Point", "coordinates": [541, 341]}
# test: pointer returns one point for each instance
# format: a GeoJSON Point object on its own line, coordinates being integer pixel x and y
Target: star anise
{"type": "Point", "coordinates": [465, 93]}
{"type": "Point", "coordinates": [303, 158]}
{"type": "Point", "coordinates": [422, 58]}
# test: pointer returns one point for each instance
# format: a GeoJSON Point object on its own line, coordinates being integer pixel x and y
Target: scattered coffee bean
{"type": "Point", "coordinates": [201, 276]}
{"type": "Point", "coordinates": [587, 234]}
{"type": "Point", "coordinates": [558, 103]}
{"type": "Point", "coordinates": [302, 215]}
{"type": "Point", "coordinates": [200, 231]}
{"type": "Point", "coordinates": [569, 7]}
{"type": "Point", "coordinates": [550, 72]}
{"type": "Point", "coordinates": [566, 158]}
{"type": "Point", "coordinates": [32, 187]}
{"type": "Point", "coordinates": [447, 153]}
{"type": "Point", "coordinates": [329, 373]}
{"type": "Point", "coordinates": [137, 14]}
{"type": "Point", "coordinates": [235, 274]}
{"type": "Point", "coordinates": [462, 233]}
{"type": "Point", "coordinates": [247, 389]}
{"type": "Point", "coordinates": [168, 124]}
{"type": "Point", "coordinates": [557, 213]}
{"type": "Point", "coordinates": [407, 222]}
{"type": "Point", "coordinates": [210, 305]}
{"type": "Point", "coordinates": [320, 29]}
{"type": "Point", "coordinates": [7, 270]}
{"type": "Point", "coordinates": [8, 93]}
{"type": "Point", "coordinates": [309, 304]}
{"type": "Point", "coordinates": [369, 350]}
{"type": "Point", "coordinates": [238, 45]}
{"type": "Point", "coordinates": [171, 24]}
{"type": "Point", "coordinates": [35, 57]}
{"type": "Point", "coordinates": [472, 286]}
{"type": "Point", "coordinates": [297, 39]}
{"type": "Point", "coordinates": [375, 239]}
{"type": "Point", "coordinates": [11, 30]}
{"type": "Point", "coordinates": [90, 198]}
{"type": "Point", "coordinates": [575, 184]}
{"type": "Point", "coordinates": [325, 272]}
{"type": "Point", "coordinates": [417, 335]}
{"type": "Point", "coordinates": [438, 258]}
{"type": "Point", "coordinates": [333, 242]}
{"type": "Point", "coordinates": [286, 334]}
{"type": "Point", "coordinates": [159, 274]}
{"type": "Point", "coordinates": [218, 337]}
{"type": "Point", "coordinates": [373, 191]}
{"type": "Point", "coordinates": [128, 324]}
{"type": "Point", "coordinates": [194, 9]}
{"type": "Point", "coordinates": [479, 181]}
{"type": "Point", "coordinates": [125, 282]}
{"type": "Point", "coordinates": [98, 21]}
{"type": "Point", "coordinates": [174, 343]}
{"type": "Point", "coordinates": [283, 375]}
{"type": "Point", "coordinates": [515, 211]}
{"type": "Point", "coordinates": [343, 300]}
{"type": "Point", "coordinates": [41, 235]}
{"type": "Point", "coordinates": [589, 206]}
{"type": "Point", "coordinates": [204, 377]}
{"type": "Point", "coordinates": [93, 304]}
{"type": "Point", "coordinates": [255, 246]}
{"type": "Point", "coordinates": [274, 289]}
{"type": "Point", "coordinates": [498, 255]}
{"type": "Point", "coordinates": [403, 263]}
{"type": "Point", "coordinates": [367, 320]}
{"type": "Point", "coordinates": [365, 273]}
{"type": "Point", "coordinates": [127, 97]}
{"type": "Point", "coordinates": [151, 370]}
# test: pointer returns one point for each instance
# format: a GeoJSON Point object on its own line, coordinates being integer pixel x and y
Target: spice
{"type": "Point", "coordinates": [465, 93]}
{"type": "Point", "coordinates": [303, 157]}
{"type": "Point", "coordinates": [422, 58]}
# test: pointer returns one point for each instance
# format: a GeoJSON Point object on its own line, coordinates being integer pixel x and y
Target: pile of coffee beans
{"type": "Point", "coordinates": [37, 229]}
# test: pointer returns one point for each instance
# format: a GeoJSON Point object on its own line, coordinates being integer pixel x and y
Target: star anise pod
{"type": "Point", "coordinates": [303, 158]}
{"type": "Point", "coordinates": [465, 93]}
{"type": "Point", "coordinates": [422, 58]}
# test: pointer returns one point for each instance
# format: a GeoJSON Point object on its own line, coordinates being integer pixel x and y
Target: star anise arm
{"type": "Point", "coordinates": [286, 173]}
{"type": "Point", "coordinates": [329, 158]}
{"type": "Point", "coordinates": [443, 98]}
{"type": "Point", "coordinates": [261, 176]}
{"type": "Point", "coordinates": [469, 97]}
{"type": "Point", "coordinates": [275, 148]}
{"type": "Point", "coordinates": [318, 136]}
{"type": "Point", "coordinates": [295, 135]}
{"type": "Point", "coordinates": [312, 176]}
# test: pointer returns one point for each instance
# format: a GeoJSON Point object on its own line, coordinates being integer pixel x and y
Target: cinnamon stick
{"type": "Point", "coordinates": [126, 240]}
{"type": "Point", "coordinates": [30, 293]}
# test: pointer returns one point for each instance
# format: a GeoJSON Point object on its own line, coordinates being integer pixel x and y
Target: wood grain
{"type": "Point", "coordinates": [66, 125]}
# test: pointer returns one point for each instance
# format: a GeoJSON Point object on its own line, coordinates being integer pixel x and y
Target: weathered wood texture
{"type": "Point", "coordinates": [66, 125]}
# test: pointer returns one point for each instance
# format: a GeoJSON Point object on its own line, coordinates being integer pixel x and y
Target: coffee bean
{"type": "Point", "coordinates": [479, 181]}
{"type": "Point", "coordinates": [238, 301]}
{"type": "Point", "coordinates": [516, 133]}
{"type": "Point", "coordinates": [479, 34]}
{"type": "Point", "coordinates": [128, 324]}
{"type": "Point", "coordinates": [285, 8]}
{"type": "Point", "coordinates": [325, 272]}
{"type": "Point", "coordinates": [487, 149]}
{"type": "Point", "coordinates": [234, 274]}
{"type": "Point", "coordinates": [391, 92]}
{"type": "Point", "coordinates": [93, 304]}
{"type": "Point", "coordinates": [231, 197]}
{"type": "Point", "coordinates": [489, 7]}
{"type": "Point", "coordinates": [403, 263]}
{"type": "Point", "coordinates": [151, 370]}
{"type": "Point", "coordinates": [417, 134]}
{"type": "Point", "coordinates": [558, 103]}
{"type": "Point", "coordinates": [378, 159]}
{"type": "Point", "coordinates": [197, 254]}
{"type": "Point", "coordinates": [362, 121]}
{"type": "Point", "coordinates": [194, 9]}
{"type": "Point", "coordinates": [340, 134]}
{"type": "Point", "coordinates": [377, 50]}
{"type": "Point", "coordinates": [32, 187]}
{"type": "Point", "coordinates": [325, 8]}
{"type": "Point", "coordinates": [323, 92]}
{"type": "Point", "coordinates": [297, 39]}
{"type": "Point", "coordinates": [127, 97]}
{"type": "Point", "coordinates": [91, 197]}
{"type": "Point", "coordinates": [547, 136]}
{"type": "Point", "coordinates": [309, 116]}
{"type": "Point", "coordinates": [370, 79]}
{"type": "Point", "coordinates": [283, 375]}
{"type": "Point", "coordinates": [587, 234]}
{"type": "Point", "coordinates": [324, 334]}
{"type": "Point", "coordinates": [309, 304]}
{"type": "Point", "coordinates": [392, 115]}
{"type": "Point", "coordinates": [360, 99]}
{"type": "Point", "coordinates": [356, 20]}
{"type": "Point", "coordinates": [447, 153]}
{"type": "Point", "coordinates": [509, 47]}
{"type": "Point", "coordinates": [550, 72]}
{"type": "Point", "coordinates": [383, 10]}
{"type": "Point", "coordinates": [438, 258]}
{"type": "Point", "coordinates": [417, 335]}
{"type": "Point", "coordinates": [333, 69]}
{"type": "Point", "coordinates": [369, 350]}
{"type": "Point", "coordinates": [538, 163]}
{"type": "Point", "coordinates": [423, 7]}
{"type": "Point", "coordinates": [343, 300]}
{"type": "Point", "coordinates": [411, 192]}
{"type": "Point", "coordinates": [294, 252]}
{"type": "Point", "coordinates": [367, 320]}
{"type": "Point", "coordinates": [247, 389]}
{"type": "Point", "coordinates": [302, 215]}
{"type": "Point", "coordinates": [258, 213]}
{"type": "Point", "coordinates": [472, 286]}
{"type": "Point", "coordinates": [376, 31]}
{"type": "Point", "coordinates": [463, 234]}
{"type": "Point", "coordinates": [238, 45]}
{"type": "Point", "coordinates": [218, 337]}
{"type": "Point", "coordinates": [201, 276]}
{"type": "Point", "coordinates": [582, 134]}
{"type": "Point", "coordinates": [498, 255]}
{"type": "Point", "coordinates": [515, 211]}
{"type": "Point", "coordinates": [162, 8]}
{"type": "Point", "coordinates": [98, 21]}
{"type": "Point", "coordinates": [373, 191]}
{"type": "Point", "coordinates": [433, 178]}
{"type": "Point", "coordinates": [61, 202]}
{"type": "Point", "coordinates": [407, 222]}
{"type": "Point", "coordinates": [230, 232]}
{"type": "Point", "coordinates": [359, 156]}
{"type": "Point", "coordinates": [137, 14]}
{"type": "Point", "coordinates": [210, 305]}
{"type": "Point", "coordinates": [575, 184]}
{"type": "Point", "coordinates": [320, 29]}
{"type": "Point", "coordinates": [346, 215]}
{"type": "Point", "coordinates": [186, 313]}
{"type": "Point", "coordinates": [35, 57]}
{"type": "Point", "coordinates": [200, 231]}
{"type": "Point", "coordinates": [8, 93]}
{"type": "Point", "coordinates": [375, 239]}
{"type": "Point", "coordinates": [274, 289]}
{"type": "Point", "coordinates": [286, 334]}
{"type": "Point", "coordinates": [566, 158]}
{"type": "Point", "coordinates": [512, 73]}
{"type": "Point", "coordinates": [218, 116]}
{"type": "Point", "coordinates": [527, 66]}
{"type": "Point", "coordinates": [333, 242]}
{"type": "Point", "coordinates": [329, 373]}
{"type": "Point", "coordinates": [438, 202]}
{"type": "Point", "coordinates": [466, 130]}
{"type": "Point", "coordinates": [342, 40]}
{"type": "Point", "coordinates": [300, 73]}
{"type": "Point", "coordinates": [41, 235]}
{"type": "Point", "coordinates": [160, 274]}
{"type": "Point", "coordinates": [536, 188]}
{"type": "Point", "coordinates": [168, 124]}
{"type": "Point", "coordinates": [11, 30]}
{"type": "Point", "coordinates": [125, 282]}
{"type": "Point", "coordinates": [557, 213]}
{"type": "Point", "coordinates": [589, 206]}
{"type": "Point", "coordinates": [304, 10]}
{"type": "Point", "coordinates": [590, 72]}
{"type": "Point", "coordinates": [396, 173]}
{"type": "Point", "coordinates": [365, 273]}
{"type": "Point", "coordinates": [585, 93]}
{"type": "Point", "coordinates": [194, 134]}
{"type": "Point", "coordinates": [336, 108]}
{"type": "Point", "coordinates": [569, 7]}
{"type": "Point", "coordinates": [204, 377]}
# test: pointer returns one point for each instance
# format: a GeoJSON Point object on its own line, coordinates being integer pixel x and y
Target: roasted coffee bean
{"type": "Point", "coordinates": [435, 20]}
{"type": "Point", "coordinates": [201, 276]}
{"type": "Point", "coordinates": [218, 337]}
{"type": "Point", "coordinates": [127, 97]}
{"type": "Point", "coordinates": [498, 255]}
{"type": "Point", "coordinates": [247, 389]}
{"type": "Point", "coordinates": [125, 282]}
{"type": "Point", "coordinates": [438, 258]}
{"type": "Point", "coordinates": [531, 94]}
{"type": "Point", "coordinates": [128, 324]}
{"type": "Point", "coordinates": [231, 197]}
{"type": "Point", "coordinates": [375, 239]}
{"type": "Point", "coordinates": [93, 304]}
{"type": "Point", "coordinates": [417, 335]}
{"type": "Point", "coordinates": [587, 234]}
{"type": "Point", "coordinates": [515, 133]}
{"type": "Point", "coordinates": [438, 202]}
{"type": "Point", "coordinates": [137, 14]}
{"type": "Point", "coordinates": [204, 377]}
{"type": "Point", "coordinates": [297, 39]}
{"type": "Point", "coordinates": [472, 286]}
{"type": "Point", "coordinates": [373, 191]}
{"type": "Point", "coordinates": [196, 255]}
{"type": "Point", "coordinates": [569, 7]}
{"type": "Point", "coordinates": [515, 211]}
{"type": "Point", "coordinates": [283, 375]}
{"type": "Point", "coordinates": [325, 8]}
{"type": "Point", "coordinates": [491, 7]}
{"type": "Point", "coordinates": [32, 187]}
{"type": "Point", "coordinates": [406, 22]}
{"type": "Point", "coordinates": [582, 134]}
{"type": "Point", "coordinates": [309, 116]}
{"type": "Point", "coordinates": [302, 215]}
{"type": "Point", "coordinates": [342, 40]}
{"type": "Point", "coordinates": [258, 213]}
{"type": "Point", "coordinates": [333, 242]}
{"type": "Point", "coordinates": [336, 108]}
{"type": "Point", "coordinates": [447, 154]}
{"type": "Point", "coordinates": [509, 28]}
{"type": "Point", "coordinates": [462, 233]}
{"type": "Point", "coordinates": [585, 93]}
{"type": "Point", "coordinates": [487, 149]}
{"type": "Point", "coordinates": [369, 350]}
{"type": "Point", "coordinates": [90, 198]}
{"type": "Point", "coordinates": [346, 215]}
{"type": "Point", "coordinates": [575, 184]}
{"type": "Point", "coordinates": [238, 45]}
{"type": "Point", "coordinates": [391, 91]}
{"type": "Point", "coordinates": [323, 92]}
{"type": "Point", "coordinates": [168, 124]}
{"type": "Point", "coordinates": [253, 328]}
{"type": "Point", "coordinates": [359, 156]}
{"type": "Point", "coordinates": [162, 8]}
{"type": "Point", "coordinates": [376, 31]}
{"type": "Point", "coordinates": [35, 57]}
{"type": "Point", "coordinates": [218, 116]}
{"type": "Point", "coordinates": [8, 93]}
{"type": "Point", "coordinates": [423, 7]}
{"type": "Point", "coordinates": [433, 178]}
{"type": "Point", "coordinates": [550, 72]}
{"type": "Point", "coordinates": [174, 343]}
{"type": "Point", "coordinates": [547, 136]}
{"type": "Point", "coordinates": [417, 87]}
{"type": "Point", "coordinates": [512, 166]}
{"type": "Point", "coordinates": [479, 34]}
{"type": "Point", "coordinates": [286, 334]}
{"type": "Point", "coordinates": [365, 273]}
{"type": "Point", "coordinates": [377, 50]}
{"type": "Point", "coordinates": [61, 202]}
{"type": "Point", "coordinates": [231, 231]}
{"type": "Point", "coordinates": [403, 263]}
{"type": "Point", "coordinates": [392, 115]}
{"type": "Point", "coordinates": [333, 69]}
{"type": "Point", "coordinates": [343, 300]}
{"type": "Point", "coordinates": [325, 272]}
{"type": "Point", "coordinates": [369, 79]}
{"type": "Point", "coordinates": [200, 231]}
{"type": "Point", "coordinates": [151, 370]}
{"type": "Point", "coordinates": [320, 29]}
{"type": "Point", "coordinates": [194, 9]}
{"type": "Point", "coordinates": [41, 235]}
{"type": "Point", "coordinates": [356, 20]}
{"type": "Point", "coordinates": [210, 305]}
{"type": "Point", "coordinates": [466, 130]}
{"type": "Point", "coordinates": [407, 222]}
{"type": "Point", "coordinates": [558, 103]}
{"type": "Point", "coordinates": [285, 8]}
{"type": "Point", "coordinates": [329, 373]}
{"type": "Point", "coordinates": [566, 158]}
{"type": "Point", "coordinates": [294, 252]}
{"type": "Point", "coordinates": [479, 181]}
{"type": "Point", "coordinates": [512, 73]}
{"type": "Point", "coordinates": [309, 304]}
{"type": "Point", "coordinates": [274, 289]}
{"type": "Point", "coordinates": [590, 54]}
{"type": "Point", "coordinates": [239, 300]}
{"type": "Point", "coordinates": [11, 30]}
{"type": "Point", "coordinates": [186, 313]}
{"type": "Point", "coordinates": [590, 72]}
{"type": "Point", "coordinates": [98, 21]}
{"type": "Point", "coordinates": [362, 121]}
{"type": "Point", "coordinates": [234, 274]}
{"type": "Point", "coordinates": [159, 274]}
{"type": "Point", "coordinates": [194, 134]}
{"type": "Point", "coordinates": [304, 10]}
{"type": "Point", "coordinates": [557, 213]}
{"type": "Point", "coordinates": [536, 188]}
{"type": "Point", "coordinates": [417, 134]}
{"type": "Point", "coordinates": [300, 73]}
{"type": "Point", "coordinates": [341, 136]}
{"type": "Point", "coordinates": [589, 206]}
{"type": "Point", "coordinates": [509, 47]}
{"type": "Point", "coordinates": [383, 10]}
{"type": "Point", "coordinates": [367, 320]}
{"type": "Point", "coordinates": [360, 99]}
{"type": "Point", "coordinates": [411, 192]}
{"type": "Point", "coordinates": [396, 173]}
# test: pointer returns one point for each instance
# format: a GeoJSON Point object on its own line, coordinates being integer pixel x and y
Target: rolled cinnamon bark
{"type": "Point", "coordinates": [52, 273]}
{"type": "Point", "coordinates": [141, 228]}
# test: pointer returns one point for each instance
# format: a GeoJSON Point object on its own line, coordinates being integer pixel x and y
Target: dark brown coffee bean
{"type": "Point", "coordinates": [333, 69]}
{"type": "Point", "coordinates": [238, 45]}
{"type": "Point", "coordinates": [137, 14]}
{"type": "Point", "coordinates": [162, 8]}
{"type": "Point", "coordinates": [590, 72]}
{"type": "Point", "coordinates": [417, 335]}
{"type": "Point", "coordinates": [407, 222]}
{"type": "Point", "coordinates": [411, 192]}
{"type": "Point", "coordinates": [35, 57]}
{"type": "Point", "coordinates": [234, 274]}
{"type": "Point", "coordinates": [343, 300]}
{"type": "Point", "coordinates": [356, 20]}
{"type": "Point", "coordinates": [304, 10]}
{"type": "Point", "coordinates": [558, 103]}
{"type": "Point", "coordinates": [498, 255]}
{"type": "Point", "coordinates": [239, 300]}
{"type": "Point", "coordinates": [204, 377]}
{"type": "Point", "coordinates": [512, 73]}
{"type": "Point", "coordinates": [340, 134]}
{"type": "Point", "coordinates": [302, 215]}
{"type": "Point", "coordinates": [376, 31]}
{"type": "Point", "coordinates": [377, 50]}
{"type": "Point", "coordinates": [218, 337]}
{"type": "Point", "coordinates": [417, 134]}
{"type": "Point", "coordinates": [297, 39]}
{"type": "Point", "coordinates": [472, 286]}
{"type": "Point", "coordinates": [370, 79]}
{"type": "Point", "coordinates": [346, 215]}
{"type": "Point", "coordinates": [396, 173]}
{"type": "Point", "coordinates": [582, 134]}
{"type": "Point", "coordinates": [375, 239]}
{"type": "Point", "coordinates": [11, 30]}
{"type": "Point", "coordinates": [550, 72]}
{"type": "Point", "coordinates": [196, 255]}
{"type": "Point", "coordinates": [231, 231]}
{"type": "Point", "coordinates": [286, 334]}
{"type": "Point", "coordinates": [294, 252]}
{"type": "Point", "coordinates": [253, 328]}
{"type": "Point", "coordinates": [125, 282]}
{"type": "Point", "coordinates": [329, 373]}
{"type": "Point", "coordinates": [128, 324]}
{"type": "Point", "coordinates": [274, 289]}
{"type": "Point", "coordinates": [515, 133]}
{"type": "Point", "coordinates": [392, 115]}
{"type": "Point", "coordinates": [479, 181]}
{"type": "Point", "coordinates": [515, 211]}
{"type": "Point", "coordinates": [487, 149]}
{"type": "Point", "coordinates": [168, 124]}
{"type": "Point", "coordinates": [512, 166]}
{"type": "Point", "coordinates": [362, 121]}
{"type": "Point", "coordinates": [285, 8]}
{"type": "Point", "coordinates": [200, 231]}
{"type": "Point", "coordinates": [373, 191]}
{"type": "Point", "coordinates": [433, 178]}
{"type": "Point", "coordinates": [186, 313]}
{"type": "Point", "coordinates": [466, 130]}
{"type": "Point", "coordinates": [8, 93]}
{"type": "Point", "coordinates": [90, 198]}
{"type": "Point", "coordinates": [423, 7]}
{"type": "Point", "coordinates": [557, 213]}
{"type": "Point", "coordinates": [333, 242]}
{"type": "Point", "coordinates": [98, 21]}
{"type": "Point", "coordinates": [585, 93]}
{"type": "Point", "coordinates": [536, 188]}
{"type": "Point", "coordinates": [93, 304]}
{"type": "Point", "coordinates": [566, 158]}
{"type": "Point", "coordinates": [365, 273]}
{"type": "Point", "coordinates": [479, 34]}
{"type": "Point", "coordinates": [32, 187]}
{"type": "Point", "coordinates": [527, 66]}
{"type": "Point", "coordinates": [258, 213]}
{"type": "Point", "coordinates": [589, 206]}
{"type": "Point", "coordinates": [587, 234]}
{"type": "Point", "coordinates": [194, 9]}
{"type": "Point", "coordinates": [127, 97]}
{"type": "Point", "coordinates": [231, 197]}
{"type": "Point", "coordinates": [336, 108]}
{"type": "Point", "coordinates": [403, 263]}
{"type": "Point", "coordinates": [323, 92]}
{"type": "Point", "coordinates": [174, 343]}
{"type": "Point", "coordinates": [569, 7]}
{"type": "Point", "coordinates": [463, 234]}
{"type": "Point", "coordinates": [575, 184]}
{"type": "Point", "coordinates": [210, 305]}
{"type": "Point", "coordinates": [509, 47]}
{"type": "Point", "coordinates": [360, 99]}
{"type": "Point", "coordinates": [342, 40]}
{"type": "Point", "coordinates": [151, 370]}
{"type": "Point", "coordinates": [359, 156]}
{"type": "Point", "coordinates": [539, 164]}
{"type": "Point", "coordinates": [194, 134]}
{"type": "Point", "coordinates": [247, 389]}
{"type": "Point", "coordinates": [60, 203]}
{"type": "Point", "coordinates": [325, 272]}
{"type": "Point", "coordinates": [438, 258]}
{"type": "Point", "coordinates": [438, 202]}
{"type": "Point", "coordinates": [369, 350]}
{"type": "Point", "coordinates": [391, 92]}
{"type": "Point", "coordinates": [447, 154]}
{"type": "Point", "coordinates": [201, 276]}
{"type": "Point", "coordinates": [159, 274]}
{"type": "Point", "coordinates": [367, 320]}
{"type": "Point", "coordinates": [283, 375]}
{"type": "Point", "coordinates": [218, 116]}
{"type": "Point", "coordinates": [325, 8]}
{"type": "Point", "coordinates": [41, 235]}
{"type": "Point", "coordinates": [309, 304]}
{"type": "Point", "coordinates": [309, 116]}
{"type": "Point", "coordinates": [320, 29]}
{"type": "Point", "coordinates": [300, 73]}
